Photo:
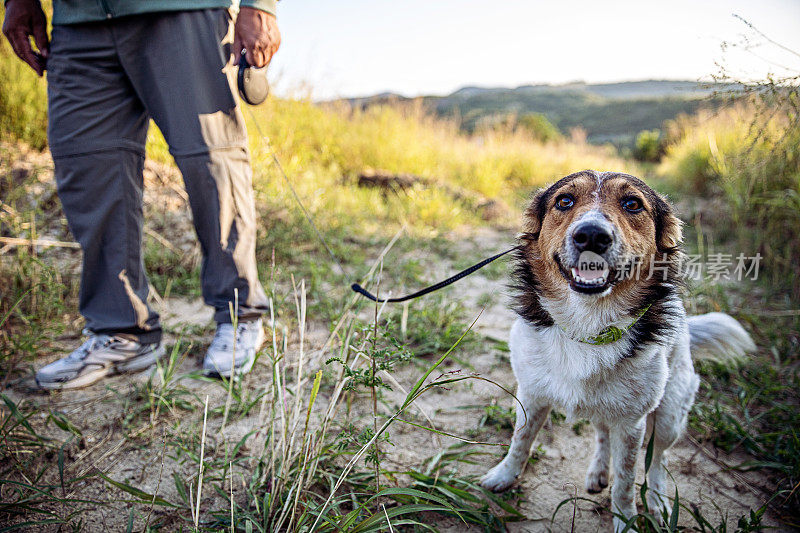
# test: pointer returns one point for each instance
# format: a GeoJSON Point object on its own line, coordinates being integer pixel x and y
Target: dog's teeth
{"type": "Point", "coordinates": [586, 281]}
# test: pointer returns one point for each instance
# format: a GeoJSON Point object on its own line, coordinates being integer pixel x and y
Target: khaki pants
{"type": "Point", "coordinates": [106, 80]}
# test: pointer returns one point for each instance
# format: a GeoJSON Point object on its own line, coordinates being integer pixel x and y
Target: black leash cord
{"type": "Point", "coordinates": [449, 281]}
{"type": "Point", "coordinates": [310, 220]}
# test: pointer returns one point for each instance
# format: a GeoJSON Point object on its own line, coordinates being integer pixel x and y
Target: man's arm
{"type": "Point", "coordinates": [25, 18]}
{"type": "Point", "coordinates": [256, 32]}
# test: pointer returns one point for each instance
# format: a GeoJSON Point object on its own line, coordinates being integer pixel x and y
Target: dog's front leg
{"type": "Point", "coordinates": [626, 439]}
{"type": "Point", "coordinates": [529, 422]}
{"type": "Point", "coordinates": [597, 475]}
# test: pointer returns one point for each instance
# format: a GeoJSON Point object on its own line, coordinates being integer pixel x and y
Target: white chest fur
{"type": "Point", "coordinates": [586, 380]}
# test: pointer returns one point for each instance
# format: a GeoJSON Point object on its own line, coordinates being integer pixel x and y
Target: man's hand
{"type": "Point", "coordinates": [257, 32]}
{"type": "Point", "coordinates": [25, 18]}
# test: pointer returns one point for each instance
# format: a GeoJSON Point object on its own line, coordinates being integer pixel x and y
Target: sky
{"type": "Point", "coordinates": [338, 48]}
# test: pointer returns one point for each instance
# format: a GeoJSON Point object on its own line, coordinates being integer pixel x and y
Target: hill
{"type": "Point", "coordinates": [608, 112]}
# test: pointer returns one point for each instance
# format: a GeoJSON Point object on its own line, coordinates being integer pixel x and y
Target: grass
{"type": "Point", "coordinates": [438, 313]}
{"type": "Point", "coordinates": [666, 520]}
{"type": "Point", "coordinates": [23, 113]}
{"type": "Point", "coordinates": [297, 476]}
{"type": "Point", "coordinates": [746, 157]}
{"type": "Point", "coordinates": [334, 472]}
{"type": "Point", "coordinates": [33, 488]}
{"type": "Point", "coordinates": [745, 161]}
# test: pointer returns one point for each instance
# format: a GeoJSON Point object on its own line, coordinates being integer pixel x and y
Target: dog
{"type": "Point", "coordinates": [602, 333]}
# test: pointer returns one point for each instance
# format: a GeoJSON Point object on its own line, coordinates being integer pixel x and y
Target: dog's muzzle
{"type": "Point", "coordinates": [588, 255]}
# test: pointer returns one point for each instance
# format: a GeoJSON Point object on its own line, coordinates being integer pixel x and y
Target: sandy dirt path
{"type": "Point", "coordinates": [557, 474]}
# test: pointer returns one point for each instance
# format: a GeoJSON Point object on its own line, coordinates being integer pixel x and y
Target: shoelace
{"type": "Point", "coordinates": [91, 343]}
{"type": "Point", "coordinates": [224, 336]}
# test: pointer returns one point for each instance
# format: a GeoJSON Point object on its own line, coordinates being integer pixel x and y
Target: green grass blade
{"type": "Point", "coordinates": [673, 516]}
{"type": "Point", "coordinates": [416, 494]}
{"type": "Point", "coordinates": [143, 496]}
{"type": "Point", "coordinates": [413, 393]}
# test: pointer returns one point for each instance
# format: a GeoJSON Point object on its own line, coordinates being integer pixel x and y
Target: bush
{"type": "Point", "coordinates": [648, 146]}
{"type": "Point", "coordinates": [538, 127]}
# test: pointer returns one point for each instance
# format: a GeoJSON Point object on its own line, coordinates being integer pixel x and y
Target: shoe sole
{"type": "Point", "coordinates": [136, 364]}
{"type": "Point", "coordinates": [244, 369]}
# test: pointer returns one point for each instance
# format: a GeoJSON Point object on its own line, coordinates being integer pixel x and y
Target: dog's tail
{"type": "Point", "coordinates": [718, 336]}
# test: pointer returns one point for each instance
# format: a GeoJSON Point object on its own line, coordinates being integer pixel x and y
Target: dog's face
{"type": "Point", "coordinates": [591, 232]}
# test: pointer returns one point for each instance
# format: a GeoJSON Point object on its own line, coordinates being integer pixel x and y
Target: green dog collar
{"type": "Point", "coordinates": [611, 333]}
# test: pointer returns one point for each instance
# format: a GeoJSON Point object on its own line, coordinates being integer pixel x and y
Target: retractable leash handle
{"type": "Point", "coordinates": [252, 82]}
{"type": "Point", "coordinates": [449, 281]}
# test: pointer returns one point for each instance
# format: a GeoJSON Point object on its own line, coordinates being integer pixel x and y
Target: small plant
{"type": "Point", "coordinates": [162, 393]}
{"type": "Point", "coordinates": [649, 146]}
{"type": "Point", "coordinates": [498, 417]}
{"type": "Point", "coordinates": [379, 347]}
{"type": "Point", "coordinates": [437, 314]}
{"type": "Point", "coordinates": [37, 490]}
{"type": "Point", "coordinates": [665, 519]}
{"type": "Point", "coordinates": [23, 105]}
{"type": "Point", "coordinates": [31, 306]}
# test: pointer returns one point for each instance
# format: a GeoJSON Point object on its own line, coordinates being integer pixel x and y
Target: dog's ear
{"type": "Point", "coordinates": [534, 215]}
{"type": "Point", "coordinates": [669, 228]}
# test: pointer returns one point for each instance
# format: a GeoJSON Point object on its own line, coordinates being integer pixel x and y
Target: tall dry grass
{"type": "Point", "coordinates": [747, 156]}
{"type": "Point", "coordinates": [325, 148]}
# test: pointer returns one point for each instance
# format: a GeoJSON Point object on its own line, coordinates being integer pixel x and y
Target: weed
{"type": "Point", "coordinates": [440, 314]}
{"type": "Point", "coordinates": [382, 349]}
{"type": "Point", "coordinates": [498, 417]}
{"type": "Point", "coordinates": [750, 162]}
{"type": "Point", "coordinates": [23, 111]}
{"type": "Point", "coordinates": [316, 457]}
{"type": "Point", "coordinates": [36, 493]}
{"type": "Point", "coordinates": [162, 393]}
{"type": "Point", "coordinates": [171, 274]}
{"type": "Point", "coordinates": [485, 300]}
{"type": "Point", "coordinates": [31, 308]}
{"type": "Point", "coordinates": [666, 520]}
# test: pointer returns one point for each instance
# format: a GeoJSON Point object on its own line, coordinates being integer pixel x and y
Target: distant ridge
{"type": "Point", "coordinates": [608, 112]}
{"type": "Point", "coordinates": [623, 89]}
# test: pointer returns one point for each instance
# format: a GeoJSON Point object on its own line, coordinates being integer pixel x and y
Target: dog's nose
{"type": "Point", "coordinates": [591, 237]}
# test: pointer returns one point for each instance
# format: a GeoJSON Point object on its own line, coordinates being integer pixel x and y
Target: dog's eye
{"type": "Point", "coordinates": [632, 205]}
{"type": "Point", "coordinates": [564, 202]}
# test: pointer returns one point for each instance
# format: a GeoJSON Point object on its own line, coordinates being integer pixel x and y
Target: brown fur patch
{"type": "Point", "coordinates": [652, 234]}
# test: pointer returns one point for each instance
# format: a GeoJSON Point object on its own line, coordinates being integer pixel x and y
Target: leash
{"type": "Point", "coordinates": [449, 281]}
{"type": "Point", "coordinates": [356, 287]}
{"type": "Point", "coordinates": [607, 335]}
{"type": "Point", "coordinates": [310, 220]}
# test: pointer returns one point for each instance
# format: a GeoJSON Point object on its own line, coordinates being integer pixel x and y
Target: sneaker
{"type": "Point", "coordinates": [100, 356]}
{"type": "Point", "coordinates": [221, 360]}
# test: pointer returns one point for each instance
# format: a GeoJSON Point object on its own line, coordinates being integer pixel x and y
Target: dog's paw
{"type": "Point", "coordinates": [620, 524]}
{"type": "Point", "coordinates": [658, 506]}
{"type": "Point", "coordinates": [596, 481]}
{"type": "Point", "coordinates": [622, 516]}
{"type": "Point", "coordinates": [499, 478]}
